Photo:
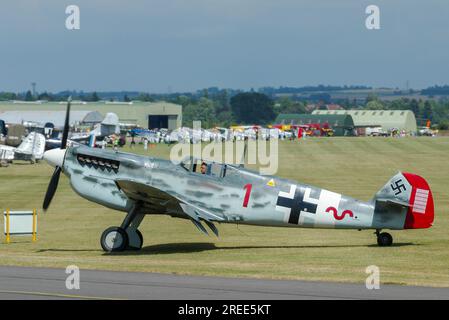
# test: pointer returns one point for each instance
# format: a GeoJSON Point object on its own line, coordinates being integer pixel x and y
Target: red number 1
{"type": "Point", "coordinates": [248, 188]}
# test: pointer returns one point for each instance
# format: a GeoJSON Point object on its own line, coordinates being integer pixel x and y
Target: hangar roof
{"type": "Point", "coordinates": [41, 117]}
{"type": "Point", "coordinates": [333, 120]}
{"type": "Point", "coordinates": [388, 119]}
{"type": "Point", "coordinates": [132, 112]}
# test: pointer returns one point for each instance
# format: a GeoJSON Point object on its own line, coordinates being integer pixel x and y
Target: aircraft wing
{"type": "Point", "coordinates": [159, 201]}
{"type": "Point", "coordinates": [149, 196]}
{"type": "Point", "coordinates": [80, 137]}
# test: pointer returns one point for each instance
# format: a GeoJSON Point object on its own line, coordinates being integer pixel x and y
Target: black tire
{"type": "Point", "coordinates": [384, 239]}
{"type": "Point", "coordinates": [139, 234]}
{"type": "Point", "coordinates": [114, 239]}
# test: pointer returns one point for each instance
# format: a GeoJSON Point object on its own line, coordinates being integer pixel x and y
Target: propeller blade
{"type": "Point", "coordinates": [245, 151]}
{"type": "Point", "coordinates": [65, 133]}
{"type": "Point", "coordinates": [52, 186]}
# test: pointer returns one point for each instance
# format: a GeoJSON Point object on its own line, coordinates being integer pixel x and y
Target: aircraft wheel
{"type": "Point", "coordinates": [384, 239]}
{"type": "Point", "coordinates": [114, 239]}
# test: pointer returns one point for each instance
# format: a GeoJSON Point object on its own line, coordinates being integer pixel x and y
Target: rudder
{"type": "Point", "coordinates": [421, 211]}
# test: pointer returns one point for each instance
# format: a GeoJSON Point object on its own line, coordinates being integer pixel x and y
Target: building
{"type": "Point", "coordinates": [387, 119]}
{"type": "Point", "coordinates": [57, 118]}
{"type": "Point", "coordinates": [145, 114]}
{"type": "Point", "coordinates": [343, 125]}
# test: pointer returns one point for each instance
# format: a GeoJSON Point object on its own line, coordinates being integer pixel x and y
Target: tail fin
{"type": "Point", "coordinates": [33, 144]}
{"type": "Point", "coordinates": [412, 191]}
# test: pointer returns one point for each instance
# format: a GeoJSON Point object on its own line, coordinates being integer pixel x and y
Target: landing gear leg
{"type": "Point", "coordinates": [127, 236]}
{"type": "Point", "coordinates": [135, 238]}
{"type": "Point", "coordinates": [384, 239]}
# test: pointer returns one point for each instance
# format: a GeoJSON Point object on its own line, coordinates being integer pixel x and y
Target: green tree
{"type": "Point", "coordinates": [443, 125]}
{"type": "Point", "coordinates": [225, 119]}
{"type": "Point", "coordinates": [95, 97]}
{"type": "Point", "coordinates": [29, 96]}
{"type": "Point", "coordinates": [374, 105]}
{"type": "Point", "coordinates": [203, 111]}
{"type": "Point", "coordinates": [222, 102]}
{"type": "Point", "coordinates": [8, 96]}
{"type": "Point", "coordinates": [427, 112]}
{"type": "Point", "coordinates": [144, 97]}
{"type": "Point", "coordinates": [282, 104]}
{"type": "Point", "coordinates": [440, 112]}
{"type": "Point", "coordinates": [183, 100]}
{"type": "Point", "coordinates": [252, 108]}
{"type": "Point", "coordinates": [45, 96]}
{"type": "Point", "coordinates": [286, 105]}
{"type": "Point", "coordinates": [126, 99]}
{"type": "Point", "coordinates": [371, 97]}
{"type": "Point", "coordinates": [414, 106]}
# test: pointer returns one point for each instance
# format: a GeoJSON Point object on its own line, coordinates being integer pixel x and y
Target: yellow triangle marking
{"type": "Point", "coordinates": [271, 183]}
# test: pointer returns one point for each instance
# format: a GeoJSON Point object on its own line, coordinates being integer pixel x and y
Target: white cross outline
{"type": "Point", "coordinates": [289, 195]}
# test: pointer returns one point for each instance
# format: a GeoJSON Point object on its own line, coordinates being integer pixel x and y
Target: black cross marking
{"type": "Point", "coordinates": [398, 187]}
{"type": "Point", "coordinates": [297, 204]}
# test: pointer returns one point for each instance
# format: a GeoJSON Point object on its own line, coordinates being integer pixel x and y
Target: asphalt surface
{"type": "Point", "coordinates": [47, 283]}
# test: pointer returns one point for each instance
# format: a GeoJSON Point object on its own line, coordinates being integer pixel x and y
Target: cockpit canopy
{"type": "Point", "coordinates": [213, 169]}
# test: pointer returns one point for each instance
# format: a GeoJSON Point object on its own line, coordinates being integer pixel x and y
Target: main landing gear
{"type": "Point", "coordinates": [384, 239]}
{"type": "Point", "coordinates": [125, 237]}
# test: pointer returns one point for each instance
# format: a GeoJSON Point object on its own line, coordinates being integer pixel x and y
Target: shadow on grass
{"type": "Point", "coordinates": [69, 250]}
{"type": "Point", "coordinates": [173, 248]}
{"type": "Point", "coordinates": [24, 163]}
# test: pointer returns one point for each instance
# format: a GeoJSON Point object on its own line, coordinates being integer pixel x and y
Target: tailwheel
{"type": "Point", "coordinates": [384, 239]}
{"type": "Point", "coordinates": [114, 239]}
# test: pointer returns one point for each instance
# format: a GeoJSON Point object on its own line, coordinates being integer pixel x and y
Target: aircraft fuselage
{"type": "Point", "coordinates": [237, 196]}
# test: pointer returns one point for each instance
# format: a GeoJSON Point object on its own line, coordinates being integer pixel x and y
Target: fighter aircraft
{"type": "Point", "coordinates": [31, 149]}
{"type": "Point", "coordinates": [210, 192]}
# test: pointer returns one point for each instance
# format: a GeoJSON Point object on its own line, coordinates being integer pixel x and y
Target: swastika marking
{"type": "Point", "coordinates": [398, 187]}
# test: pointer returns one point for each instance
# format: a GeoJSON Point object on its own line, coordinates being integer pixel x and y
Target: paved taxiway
{"type": "Point", "coordinates": [47, 283]}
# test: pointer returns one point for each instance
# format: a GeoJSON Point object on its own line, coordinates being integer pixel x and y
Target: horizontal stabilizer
{"type": "Point", "coordinates": [393, 202]}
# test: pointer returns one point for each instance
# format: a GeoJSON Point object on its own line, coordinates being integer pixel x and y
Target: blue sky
{"type": "Point", "coordinates": [191, 44]}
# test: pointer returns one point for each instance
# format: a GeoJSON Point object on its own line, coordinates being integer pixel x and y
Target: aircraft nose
{"type": "Point", "coordinates": [55, 157]}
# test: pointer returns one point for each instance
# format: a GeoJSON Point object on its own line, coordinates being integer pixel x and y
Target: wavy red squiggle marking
{"type": "Point", "coordinates": [339, 217]}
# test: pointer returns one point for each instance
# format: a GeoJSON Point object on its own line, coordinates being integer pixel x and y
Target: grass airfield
{"type": "Point", "coordinates": [70, 230]}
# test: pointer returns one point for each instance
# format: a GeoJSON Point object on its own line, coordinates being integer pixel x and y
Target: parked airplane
{"type": "Point", "coordinates": [31, 149]}
{"type": "Point", "coordinates": [209, 192]}
{"type": "Point", "coordinates": [107, 127]}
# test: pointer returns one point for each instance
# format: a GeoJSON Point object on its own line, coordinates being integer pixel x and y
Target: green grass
{"type": "Point", "coordinates": [69, 232]}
